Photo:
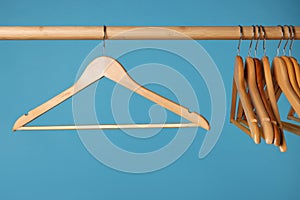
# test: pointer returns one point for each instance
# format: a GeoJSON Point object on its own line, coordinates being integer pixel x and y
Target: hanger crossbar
{"type": "Point", "coordinates": [107, 126]}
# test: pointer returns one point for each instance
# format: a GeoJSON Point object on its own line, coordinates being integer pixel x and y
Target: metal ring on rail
{"type": "Point", "coordinates": [264, 39]}
{"type": "Point", "coordinates": [250, 46]}
{"type": "Point", "coordinates": [287, 40]}
{"type": "Point", "coordinates": [240, 40]}
{"type": "Point", "coordinates": [293, 39]}
{"type": "Point", "coordinates": [256, 45]}
{"type": "Point", "coordinates": [278, 47]}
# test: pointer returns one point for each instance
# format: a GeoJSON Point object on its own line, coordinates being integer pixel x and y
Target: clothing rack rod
{"type": "Point", "coordinates": [138, 32]}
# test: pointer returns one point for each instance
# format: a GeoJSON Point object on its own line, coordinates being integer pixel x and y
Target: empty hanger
{"type": "Point", "coordinates": [108, 67]}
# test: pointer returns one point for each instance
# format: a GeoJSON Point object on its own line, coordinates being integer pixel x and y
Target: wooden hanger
{"type": "Point", "coordinates": [260, 78]}
{"type": "Point", "coordinates": [254, 80]}
{"type": "Point", "coordinates": [249, 123]}
{"type": "Point", "coordinates": [292, 67]}
{"type": "Point", "coordinates": [291, 74]}
{"type": "Point", "coordinates": [293, 128]}
{"type": "Point", "coordinates": [281, 74]}
{"type": "Point", "coordinates": [282, 79]}
{"type": "Point", "coordinates": [284, 85]}
{"type": "Point", "coordinates": [261, 112]}
{"type": "Point", "coordinates": [293, 71]}
{"type": "Point", "coordinates": [110, 68]}
{"type": "Point", "coordinates": [273, 101]}
{"type": "Point", "coordinates": [239, 88]}
{"type": "Point", "coordinates": [291, 114]}
{"type": "Point", "coordinates": [265, 86]}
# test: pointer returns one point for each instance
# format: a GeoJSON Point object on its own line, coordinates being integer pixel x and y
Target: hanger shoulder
{"type": "Point", "coordinates": [93, 72]}
{"type": "Point", "coordinates": [38, 111]}
{"type": "Point", "coordinates": [245, 100]}
{"type": "Point", "coordinates": [257, 101]}
{"type": "Point", "coordinates": [118, 74]}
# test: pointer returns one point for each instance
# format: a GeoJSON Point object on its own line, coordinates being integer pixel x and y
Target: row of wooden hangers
{"type": "Point", "coordinates": [257, 86]}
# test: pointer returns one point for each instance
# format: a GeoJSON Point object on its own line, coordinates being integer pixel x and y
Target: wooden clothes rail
{"type": "Point", "coordinates": [138, 32]}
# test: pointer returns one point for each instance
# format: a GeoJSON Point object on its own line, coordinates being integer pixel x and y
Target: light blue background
{"type": "Point", "coordinates": [55, 165]}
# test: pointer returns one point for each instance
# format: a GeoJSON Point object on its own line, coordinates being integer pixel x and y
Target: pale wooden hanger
{"type": "Point", "coordinates": [110, 68]}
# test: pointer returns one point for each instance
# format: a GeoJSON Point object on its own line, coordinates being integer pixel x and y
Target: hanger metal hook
{"type": "Point", "coordinates": [293, 39]}
{"type": "Point", "coordinates": [278, 47]}
{"type": "Point", "coordinates": [240, 40]}
{"type": "Point", "coordinates": [264, 39]}
{"type": "Point", "coordinates": [287, 40]}
{"type": "Point", "coordinates": [258, 38]}
{"type": "Point", "coordinates": [104, 39]}
{"type": "Point", "coordinates": [250, 46]}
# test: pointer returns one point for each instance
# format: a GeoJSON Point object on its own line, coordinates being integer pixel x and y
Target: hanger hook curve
{"type": "Point", "coordinates": [250, 46]}
{"type": "Point", "coordinates": [258, 38]}
{"type": "Point", "coordinates": [264, 39]}
{"type": "Point", "coordinates": [293, 39]}
{"type": "Point", "coordinates": [287, 40]}
{"type": "Point", "coordinates": [282, 32]}
{"type": "Point", "coordinates": [240, 40]}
